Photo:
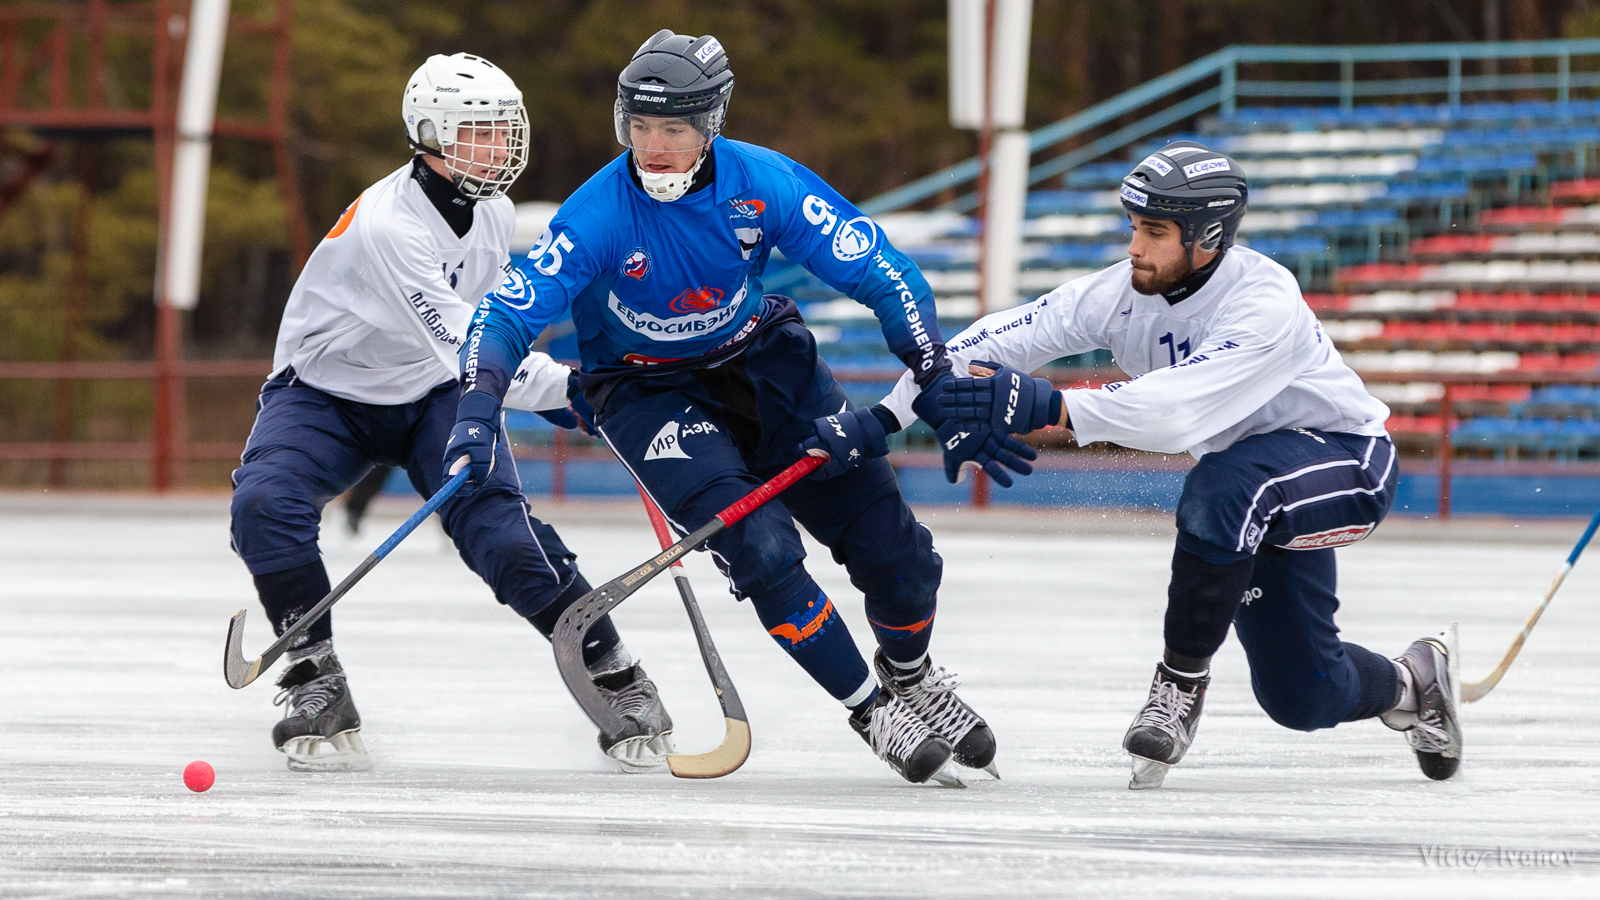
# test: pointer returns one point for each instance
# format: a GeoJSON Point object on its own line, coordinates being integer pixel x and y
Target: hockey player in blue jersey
{"type": "Point", "coordinates": [1230, 365]}
{"type": "Point", "coordinates": [704, 387]}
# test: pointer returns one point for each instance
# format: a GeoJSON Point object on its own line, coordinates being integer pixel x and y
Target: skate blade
{"type": "Point", "coordinates": [344, 752]}
{"type": "Point", "coordinates": [993, 770]}
{"type": "Point", "coordinates": [947, 777]}
{"type": "Point", "coordinates": [642, 755]}
{"type": "Point", "coordinates": [1147, 774]}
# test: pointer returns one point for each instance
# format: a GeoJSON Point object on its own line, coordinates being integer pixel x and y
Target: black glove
{"type": "Point", "coordinates": [850, 437]}
{"type": "Point", "coordinates": [1009, 401]}
{"type": "Point", "coordinates": [475, 436]}
{"type": "Point", "coordinates": [977, 444]}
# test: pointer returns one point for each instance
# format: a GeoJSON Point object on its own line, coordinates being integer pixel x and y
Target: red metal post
{"type": "Point", "coordinates": [558, 466]}
{"type": "Point", "coordinates": [94, 89]}
{"type": "Point", "coordinates": [1446, 450]}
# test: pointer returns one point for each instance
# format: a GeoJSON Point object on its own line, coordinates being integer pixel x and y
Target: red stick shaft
{"type": "Point", "coordinates": [658, 522]}
{"type": "Point", "coordinates": [771, 489]}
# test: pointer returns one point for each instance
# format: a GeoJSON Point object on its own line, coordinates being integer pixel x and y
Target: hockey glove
{"type": "Point", "coordinates": [926, 406]}
{"type": "Point", "coordinates": [973, 444]}
{"type": "Point", "coordinates": [580, 406]}
{"type": "Point", "coordinates": [476, 436]}
{"type": "Point", "coordinates": [1009, 401]}
{"type": "Point", "coordinates": [850, 437]}
{"type": "Point", "coordinates": [560, 418]}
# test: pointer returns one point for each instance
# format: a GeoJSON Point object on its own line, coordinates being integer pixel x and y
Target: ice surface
{"type": "Point", "coordinates": [488, 782]}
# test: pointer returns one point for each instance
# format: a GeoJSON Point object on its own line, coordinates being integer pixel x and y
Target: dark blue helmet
{"type": "Point", "coordinates": [1200, 189]}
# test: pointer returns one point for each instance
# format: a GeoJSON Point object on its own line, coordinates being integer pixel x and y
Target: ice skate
{"type": "Point", "coordinates": [1433, 729]}
{"type": "Point", "coordinates": [901, 739]}
{"type": "Point", "coordinates": [648, 740]}
{"type": "Point", "coordinates": [320, 730]}
{"type": "Point", "coordinates": [1165, 726]}
{"type": "Point", "coordinates": [930, 691]}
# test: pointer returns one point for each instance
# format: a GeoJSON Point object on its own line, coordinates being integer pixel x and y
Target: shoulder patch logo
{"type": "Point", "coordinates": [637, 265]}
{"type": "Point", "coordinates": [855, 239]}
{"type": "Point", "coordinates": [345, 220]}
{"type": "Point", "coordinates": [515, 291]}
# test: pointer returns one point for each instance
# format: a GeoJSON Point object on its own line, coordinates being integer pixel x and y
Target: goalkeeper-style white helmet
{"type": "Point", "coordinates": [466, 111]}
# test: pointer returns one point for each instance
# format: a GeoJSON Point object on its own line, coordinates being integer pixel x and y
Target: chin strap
{"type": "Point", "coordinates": [668, 186]}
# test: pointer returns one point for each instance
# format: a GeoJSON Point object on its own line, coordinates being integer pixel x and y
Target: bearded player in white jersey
{"type": "Point", "coordinates": [1230, 365]}
{"type": "Point", "coordinates": [365, 374]}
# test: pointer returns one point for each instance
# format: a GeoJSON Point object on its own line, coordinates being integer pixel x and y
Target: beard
{"type": "Point", "coordinates": [1150, 280]}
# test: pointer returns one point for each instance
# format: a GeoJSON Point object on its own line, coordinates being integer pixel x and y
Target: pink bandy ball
{"type": "Point", "coordinates": [198, 776]}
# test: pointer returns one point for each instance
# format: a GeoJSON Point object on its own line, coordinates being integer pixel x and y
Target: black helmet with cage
{"type": "Point", "coordinates": [1203, 191]}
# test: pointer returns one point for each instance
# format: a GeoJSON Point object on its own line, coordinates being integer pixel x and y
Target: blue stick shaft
{"type": "Point", "coordinates": [1583, 542]}
{"type": "Point", "coordinates": [437, 500]}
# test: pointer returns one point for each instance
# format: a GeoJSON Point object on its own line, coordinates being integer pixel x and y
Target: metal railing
{"type": "Point", "coordinates": [1221, 71]}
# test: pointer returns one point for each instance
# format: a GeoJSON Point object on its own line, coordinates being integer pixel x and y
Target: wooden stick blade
{"type": "Point", "coordinates": [735, 749]}
{"type": "Point", "coordinates": [235, 669]}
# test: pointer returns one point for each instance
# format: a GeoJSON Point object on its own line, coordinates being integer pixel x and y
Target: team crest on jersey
{"type": "Point", "coordinates": [515, 291]}
{"type": "Point", "coordinates": [746, 209]}
{"type": "Point", "coordinates": [854, 239]}
{"type": "Point", "coordinates": [637, 265]}
{"type": "Point", "coordinates": [696, 300]}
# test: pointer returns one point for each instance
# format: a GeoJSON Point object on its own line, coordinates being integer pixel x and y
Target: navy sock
{"type": "Point", "coordinates": [602, 637]}
{"type": "Point", "coordinates": [804, 623]}
{"type": "Point", "coordinates": [1201, 602]}
{"type": "Point", "coordinates": [286, 596]}
{"type": "Point", "coordinates": [906, 645]}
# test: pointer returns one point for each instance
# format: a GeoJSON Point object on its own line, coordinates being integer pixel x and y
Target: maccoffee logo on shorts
{"type": "Point", "coordinates": [1333, 537]}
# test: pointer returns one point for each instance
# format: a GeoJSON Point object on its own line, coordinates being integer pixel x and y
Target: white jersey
{"type": "Point", "coordinates": [1244, 355]}
{"type": "Point", "coordinates": [383, 305]}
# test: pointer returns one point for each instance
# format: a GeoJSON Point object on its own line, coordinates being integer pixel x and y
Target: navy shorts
{"type": "Point", "coordinates": [1295, 489]}
{"type": "Point", "coordinates": [1288, 498]}
{"type": "Point", "coordinates": [308, 446]}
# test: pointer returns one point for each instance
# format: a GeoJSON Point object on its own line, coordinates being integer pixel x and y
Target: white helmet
{"type": "Point", "coordinates": [466, 111]}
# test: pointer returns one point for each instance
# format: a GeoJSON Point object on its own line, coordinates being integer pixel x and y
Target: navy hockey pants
{"type": "Point", "coordinates": [1286, 499]}
{"type": "Point", "coordinates": [308, 446]}
{"type": "Point", "coordinates": [699, 440]}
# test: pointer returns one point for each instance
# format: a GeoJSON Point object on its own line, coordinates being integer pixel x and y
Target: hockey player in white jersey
{"type": "Point", "coordinates": [365, 374]}
{"type": "Point", "coordinates": [1230, 365]}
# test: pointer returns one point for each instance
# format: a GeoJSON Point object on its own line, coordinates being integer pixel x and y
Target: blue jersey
{"type": "Point", "coordinates": [650, 282]}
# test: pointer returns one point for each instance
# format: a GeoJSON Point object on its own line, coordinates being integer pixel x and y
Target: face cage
{"type": "Point", "coordinates": [469, 176]}
{"type": "Point", "coordinates": [708, 124]}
